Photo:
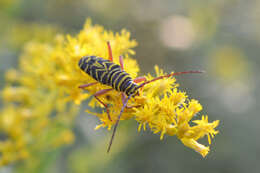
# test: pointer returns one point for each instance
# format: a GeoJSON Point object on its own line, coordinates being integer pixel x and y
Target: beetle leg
{"type": "Point", "coordinates": [87, 85]}
{"type": "Point", "coordinates": [101, 92]}
{"type": "Point", "coordinates": [121, 62]}
{"type": "Point", "coordinates": [110, 56]}
{"type": "Point", "coordinates": [140, 79]}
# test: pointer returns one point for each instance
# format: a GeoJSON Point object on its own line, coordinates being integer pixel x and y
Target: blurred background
{"type": "Point", "coordinates": [221, 37]}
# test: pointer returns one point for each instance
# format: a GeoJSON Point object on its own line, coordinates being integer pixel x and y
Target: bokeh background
{"type": "Point", "coordinates": [221, 37]}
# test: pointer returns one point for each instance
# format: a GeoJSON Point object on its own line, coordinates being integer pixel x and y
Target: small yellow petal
{"type": "Point", "coordinates": [191, 143]}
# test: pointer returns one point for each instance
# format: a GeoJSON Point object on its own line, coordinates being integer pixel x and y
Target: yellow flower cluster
{"type": "Point", "coordinates": [39, 97]}
{"type": "Point", "coordinates": [168, 111]}
{"type": "Point", "coordinates": [34, 118]}
{"type": "Point", "coordinates": [165, 110]}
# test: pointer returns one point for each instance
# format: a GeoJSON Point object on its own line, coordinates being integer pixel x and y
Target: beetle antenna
{"type": "Point", "coordinates": [169, 75]}
{"type": "Point", "coordinates": [117, 122]}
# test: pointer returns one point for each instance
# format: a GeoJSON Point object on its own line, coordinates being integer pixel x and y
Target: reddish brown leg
{"type": "Point", "coordinates": [101, 92]}
{"type": "Point", "coordinates": [121, 62]}
{"type": "Point", "coordinates": [87, 85]}
{"type": "Point", "coordinates": [110, 56]}
{"type": "Point", "coordinates": [140, 79]}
